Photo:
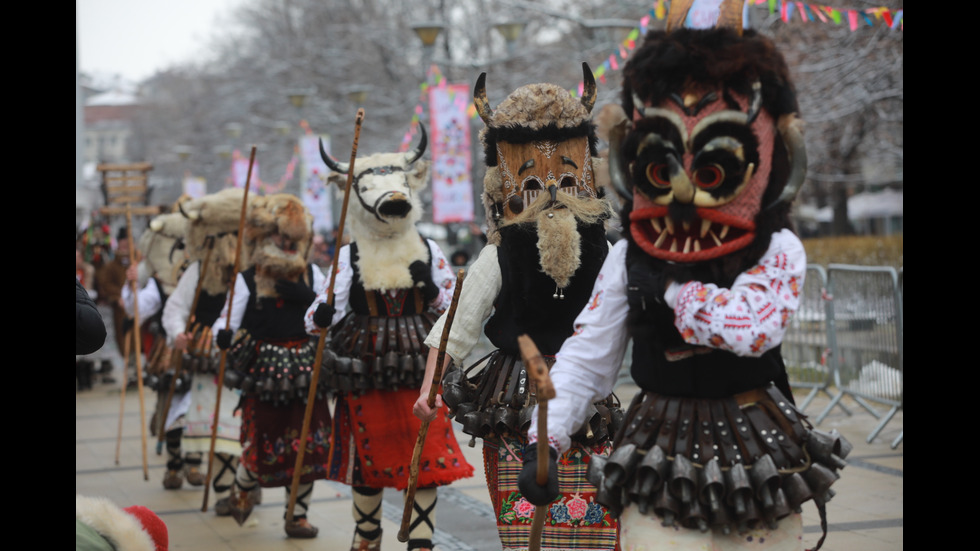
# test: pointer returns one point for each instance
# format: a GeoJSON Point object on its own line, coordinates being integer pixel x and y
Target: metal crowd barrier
{"type": "Point", "coordinates": [865, 336]}
{"type": "Point", "coordinates": [805, 349]}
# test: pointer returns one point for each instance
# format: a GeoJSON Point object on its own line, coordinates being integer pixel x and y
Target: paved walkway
{"type": "Point", "coordinates": [867, 513]}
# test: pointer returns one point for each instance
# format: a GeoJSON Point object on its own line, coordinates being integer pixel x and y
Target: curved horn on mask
{"type": "Point", "coordinates": [177, 246]}
{"type": "Point", "coordinates": [187, 215]}
{"type": "Point", "coordinates": [480, 99]}
{"type": "Point", "coordinates": [589, 88]}
{"type": "Point", "coordinates": [416, 154]}
{"type": "Point", "coordinates": [618, 171]}
{"type": "Point", "coordinates": [331, 163]}
{"type": "Point", "coordinates": [791, 130]}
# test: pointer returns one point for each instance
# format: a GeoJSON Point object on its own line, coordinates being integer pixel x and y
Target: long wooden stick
{"type": "Point", "coordinates": [315, 376]}
{"type": "Point", "coordinates": [177, 360]}
{"type": "Point", "coordinates": [136, 342]}
{"type": "Point", "coordinates": [122, 393]}
{"type": "Point", "coordinates": [224, 352]}
{"type": "Point", "coordinates": [424, 429]}
{"type": "Point", "coordinates": [538, 370]}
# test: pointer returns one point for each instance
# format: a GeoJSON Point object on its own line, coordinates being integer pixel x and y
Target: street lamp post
{"type": "Point", "coordinates": [357, 95]}
{"type": "Point", "coordinates": [511, 31]}
{"type": "Point", "coordinates": [427, 32]}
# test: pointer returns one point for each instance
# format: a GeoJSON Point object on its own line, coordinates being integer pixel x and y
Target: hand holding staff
{"type": "Point", "coordinates": [224, 353]}
{"type": "Point", "coordinates": [315, 376]}
{"type": "Point", "coordinates": [538, 370]}
{"type": "Point", "coordinates": [424, 429]}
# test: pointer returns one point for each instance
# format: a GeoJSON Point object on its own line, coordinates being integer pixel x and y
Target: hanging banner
{"type": "Point", "coordinates": [313, 176]}
{"type": "Point", "coordinates": [239, 171]}
{"type": "Point", "coordinates": [452, 187]}
{"type": "Point", "coordinates": [195, 186]}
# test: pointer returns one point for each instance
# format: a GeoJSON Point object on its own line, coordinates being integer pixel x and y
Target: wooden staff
{"type": "Point", "coordinates": [177, 360]}
{"type": "Point", "coordinates": [136, 342]}
{"type": "Point", "coordinates": [538, 369]}
{"type": "Point", "coordinates": [224, 352]}
{"type": "Point", "coordinates": [424, 429]}
{"type": "Point", "coordinates": [122, 395]}
{"type": "Point", "coordinates": [315, 376]}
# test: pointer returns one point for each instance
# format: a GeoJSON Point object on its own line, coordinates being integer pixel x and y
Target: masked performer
{"type": "Point", "coordinates": [713, 453]}
{"type": "Point", "coordinates": [272, 358]}
{"type": "Point", "coordinates": [190, 311]}
{"type": "Point", "coordinates": [395, 283]}
{"type": "Point", "coordinates": [547, 221]}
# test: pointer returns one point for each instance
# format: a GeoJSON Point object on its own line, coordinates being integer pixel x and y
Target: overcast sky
{"type": "Point", "coordinates": [135, 38]}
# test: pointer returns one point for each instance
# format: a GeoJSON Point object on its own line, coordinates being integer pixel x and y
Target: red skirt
{"type": "Point", "coordinates": [374, 437]}
{"type": "Point", "coordinates": [270, 440]}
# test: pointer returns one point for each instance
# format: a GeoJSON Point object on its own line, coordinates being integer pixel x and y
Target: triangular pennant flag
{"type": "Point", "coordinates": [898, 19]}
{"type": "Point", "coordinates": [819, 14]}
{"type": "Point", "coordinates": [852, 19]}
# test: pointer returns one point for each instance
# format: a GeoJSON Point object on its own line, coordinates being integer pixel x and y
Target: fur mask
{"type": "Point", "coordinates": [540, 148]}
{"type": "Point", "coordinates": [163, 250]}
{"type": "Point", "coordinates": [714, 152]}
{"type": "Point", "coordinates": [382, 211]}
{"type": "Point", "coordinates": [216, 217]}
{"type": "Point", "coordinates": [279, 233]}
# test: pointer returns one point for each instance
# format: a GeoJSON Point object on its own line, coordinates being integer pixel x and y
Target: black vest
{"type": "Point", "coordinates": [694, 371]}
{"type": "Point", "coordinates": [403, 302]}
{"type": "Point", "coordinates": [208, 306]}
{"type": "Point", "coordinates": [271, 318]}
{"type": "Point", "coordinates": [526, 303]}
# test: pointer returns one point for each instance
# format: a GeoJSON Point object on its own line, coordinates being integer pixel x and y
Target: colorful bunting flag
{"type": "Point", "coordinates": [809, 13]}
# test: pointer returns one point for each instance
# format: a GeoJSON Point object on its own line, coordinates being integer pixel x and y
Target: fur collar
{"type": "Point", "coordinates": [122, 530]}
{"type": "Point", "coordinates": [383, 263]}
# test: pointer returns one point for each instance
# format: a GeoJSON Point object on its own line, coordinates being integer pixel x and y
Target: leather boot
{"type": "Point", "coordinates": [365, 545]}
{"type": "Point", "coordinates": [301, 528]}
{"type": "Point", "coordinates": [241, 506]}
{"type": "Point", "coordinates": [173, 479]}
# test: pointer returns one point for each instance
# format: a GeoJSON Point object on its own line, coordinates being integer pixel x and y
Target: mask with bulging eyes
{"type": "Point", "coordinates": [699, 170]}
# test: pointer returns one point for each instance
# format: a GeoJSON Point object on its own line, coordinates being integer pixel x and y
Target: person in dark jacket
{"type": "Point", "coordinates": [90, 330]}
